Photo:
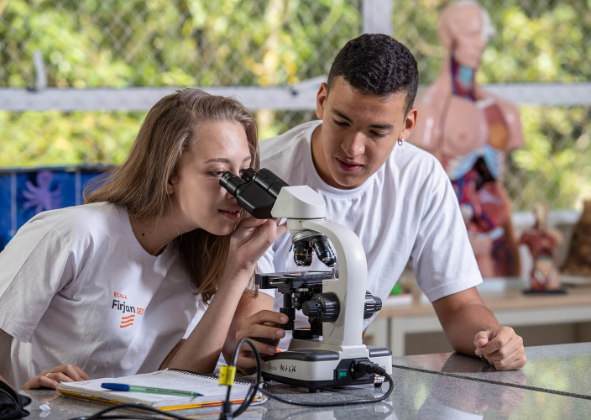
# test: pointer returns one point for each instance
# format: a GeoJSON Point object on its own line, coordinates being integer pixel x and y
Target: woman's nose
{"type": "Point", "coordinates": [229, 196]}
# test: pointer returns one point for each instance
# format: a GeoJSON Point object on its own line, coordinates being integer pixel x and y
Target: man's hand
{"type": "Point", "coordinates": [52, 378]}
{"type": "Point", "coordinates": [263, 328]}
{"type": "Point", "coordinates": [502, 348]}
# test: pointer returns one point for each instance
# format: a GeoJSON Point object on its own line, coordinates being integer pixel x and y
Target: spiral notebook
{"type": "Point", "coordinates": [207, 385]}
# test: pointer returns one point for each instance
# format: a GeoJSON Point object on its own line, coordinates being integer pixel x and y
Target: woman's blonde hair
{"type": "Point", "coordinates": [140, 183]}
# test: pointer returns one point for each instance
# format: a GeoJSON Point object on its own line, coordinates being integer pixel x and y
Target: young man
{"type": "Point", "coordinates": [396, 197]}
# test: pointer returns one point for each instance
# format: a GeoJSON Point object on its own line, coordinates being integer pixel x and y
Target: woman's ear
{"type": "Point", "coordinates": [170, 184]}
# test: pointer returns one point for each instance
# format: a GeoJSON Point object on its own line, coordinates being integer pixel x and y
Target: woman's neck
{"type": "Point", "coordinates": [154, 234]}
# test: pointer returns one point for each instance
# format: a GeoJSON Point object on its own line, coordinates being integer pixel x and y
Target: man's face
{"type": "Point", "coordinates": [357, 134]}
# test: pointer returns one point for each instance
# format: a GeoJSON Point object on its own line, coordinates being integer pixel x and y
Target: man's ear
{"type": "Point", "coordinates": [409, 123]}
{"type": "Point", "coordinates": [321, 100]}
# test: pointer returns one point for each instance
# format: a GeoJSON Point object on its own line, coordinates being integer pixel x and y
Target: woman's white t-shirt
{"type": "Point", "coordinates": [77, 287]}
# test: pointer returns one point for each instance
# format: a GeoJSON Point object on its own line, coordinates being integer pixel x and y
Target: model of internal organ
{"type": "Point", "coordinates": [471, 132]}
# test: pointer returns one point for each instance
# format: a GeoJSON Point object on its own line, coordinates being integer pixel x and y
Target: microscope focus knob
{"type": "Point", "coordinates": [323, 307]}
{"type": "Point", "coordinates": [312, 308]}
{"type": "Point", "coordinates": [373, 304]}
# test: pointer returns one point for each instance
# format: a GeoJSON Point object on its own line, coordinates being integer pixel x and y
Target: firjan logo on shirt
{"type": "Point", "coordinates": [119, 305]}
{"type": "Point", "coordinates": [127, 321]}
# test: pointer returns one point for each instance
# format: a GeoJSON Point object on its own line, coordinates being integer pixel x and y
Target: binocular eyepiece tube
{"type": "Point", "coordinates": [255, 192]}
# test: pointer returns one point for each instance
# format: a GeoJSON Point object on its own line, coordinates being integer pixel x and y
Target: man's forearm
{"type": "Point", "coordinates": [469, 320]}
{"type": "Point", "coordinates": [462, 316]}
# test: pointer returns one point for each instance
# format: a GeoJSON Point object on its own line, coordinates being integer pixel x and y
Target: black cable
{"type": "Point", "coordinates": [99, 415]}
{"type": "Point", "coordinates": [226, 413]}
{"type": "Point", "coordinates": [361, 367]}
{"type": "Point", "coordinates": [373, 369]}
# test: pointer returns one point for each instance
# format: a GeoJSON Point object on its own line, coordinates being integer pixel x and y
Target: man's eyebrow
{"type": "Point", "coordinates": [225, 160]}
{"type": "Point", "coordinates": [379, 126]}
{"type": "Point", "coordinates": [382, 126]}
{"type": "Point", "coordinates": [340, 114]}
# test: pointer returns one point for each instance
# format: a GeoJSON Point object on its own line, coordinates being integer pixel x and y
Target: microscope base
{"type": "Point", "coordinates": [314, 369]}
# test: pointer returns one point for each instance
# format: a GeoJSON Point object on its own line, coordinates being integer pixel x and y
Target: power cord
{"type": "Point", "coordinates": [227, 374]}
{"type": "Point", "coordinates": [364, 366]}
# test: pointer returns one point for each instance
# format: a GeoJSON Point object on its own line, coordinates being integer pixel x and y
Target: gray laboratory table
{"type": "Point", "coordinates": [561, 369]}
{"type": "Point", "coordinates": [441, 386]}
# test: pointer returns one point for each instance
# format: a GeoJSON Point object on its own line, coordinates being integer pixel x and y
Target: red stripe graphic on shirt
{"type": "Point", "coordinates": [127, 321]}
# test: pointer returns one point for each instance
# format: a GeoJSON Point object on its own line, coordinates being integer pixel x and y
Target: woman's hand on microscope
{"type": "Point", "coordinates": [264, 329]}
{"type": "Point", "coordinates": [248, 243]}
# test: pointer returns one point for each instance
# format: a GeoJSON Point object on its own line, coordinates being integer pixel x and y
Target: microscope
{"type": "Point", "coordinates": [330, 353]}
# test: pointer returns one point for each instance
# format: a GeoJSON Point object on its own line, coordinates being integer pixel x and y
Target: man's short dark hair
{"type": "Point", "coordinates": [377, 64]}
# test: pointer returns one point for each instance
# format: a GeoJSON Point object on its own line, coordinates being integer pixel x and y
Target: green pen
{"type": "Point", "coordinates": [136, 388]}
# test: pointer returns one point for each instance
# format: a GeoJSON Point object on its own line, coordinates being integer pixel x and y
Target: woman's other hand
{"type": "Point", "coordinates": [264, 329]}
{"type": "Point", "coordinates": [52, 377]}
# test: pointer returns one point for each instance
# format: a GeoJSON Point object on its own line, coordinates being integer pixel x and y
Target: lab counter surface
{"type": "Point", "coordinates": [555, 384]}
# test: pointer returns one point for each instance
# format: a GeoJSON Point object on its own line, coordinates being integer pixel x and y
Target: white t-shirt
{"type": "Point", "coordinates": [406, 210]}
{"type": "Point", "coordinates": [77, 287]}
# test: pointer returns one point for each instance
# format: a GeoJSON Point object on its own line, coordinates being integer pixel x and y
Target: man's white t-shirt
{"type": "Point", "coordinates": [77, 287]}
{"type": "Point", "coordinates": [406, 211]}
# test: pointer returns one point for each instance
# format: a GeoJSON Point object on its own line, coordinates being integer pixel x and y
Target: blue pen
{"type": "Point", "coordinates": [136, 388]}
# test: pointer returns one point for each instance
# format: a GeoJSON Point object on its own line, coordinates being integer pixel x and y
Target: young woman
{"type": "Point", "coordinates": [111, 288]}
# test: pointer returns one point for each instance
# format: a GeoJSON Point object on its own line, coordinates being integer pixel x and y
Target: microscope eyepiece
{"type": "Point", "coordinates": [231, 182]}
{"type": "Point", "coordinates": [266, 180]}
{"type": "Point", "coordinates": [255, 192]}
{"type": "Point", "coordinates": [249, 174]}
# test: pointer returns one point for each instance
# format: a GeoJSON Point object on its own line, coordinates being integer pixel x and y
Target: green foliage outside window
{"type": "Point", "coordinates": [123, 43]}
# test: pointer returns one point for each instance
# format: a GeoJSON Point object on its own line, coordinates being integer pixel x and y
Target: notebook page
{"type": "Point", "coordinates": [161, 379]}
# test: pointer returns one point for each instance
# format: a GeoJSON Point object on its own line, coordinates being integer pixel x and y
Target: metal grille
{"type": "Point", "coordinates": [535, 42]}
{"type": "Point", "coordinates": [158, 43]}
{"type": "Point", "coordinates": [120, 43]}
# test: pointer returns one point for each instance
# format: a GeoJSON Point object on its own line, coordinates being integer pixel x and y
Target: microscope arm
{"type": "Point", "coordinates": [305, 210]}
{"type": "Point", "coordinates": [351, 285]}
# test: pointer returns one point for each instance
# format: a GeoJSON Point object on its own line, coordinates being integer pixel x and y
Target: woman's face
{"type": "Point", "coordinates": [198, 200]}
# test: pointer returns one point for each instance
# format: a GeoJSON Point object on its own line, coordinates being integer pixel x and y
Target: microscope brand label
{"type": "Point", "coordinates": [287, 368]}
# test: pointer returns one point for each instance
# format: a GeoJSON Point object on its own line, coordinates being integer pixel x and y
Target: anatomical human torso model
{"type": "Point", "coordinates": [471, 131]}
{"type": "Point", "coordinates": [542, 243]}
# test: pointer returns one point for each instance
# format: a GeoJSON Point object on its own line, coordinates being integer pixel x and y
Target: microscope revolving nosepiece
{"type": "Point", "coordinates": [307, 242]}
